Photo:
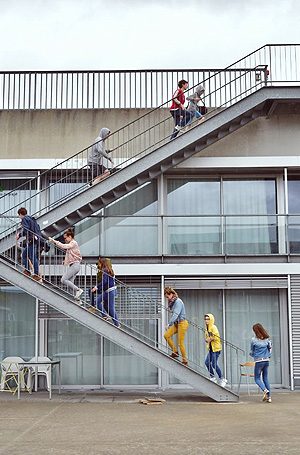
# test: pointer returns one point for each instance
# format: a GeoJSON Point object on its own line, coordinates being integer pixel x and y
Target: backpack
{"type": "Point", "coordinates": [35, 228]}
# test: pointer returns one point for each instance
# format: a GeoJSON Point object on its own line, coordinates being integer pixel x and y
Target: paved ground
{"type": "Point", "coordinates": [114, 423]}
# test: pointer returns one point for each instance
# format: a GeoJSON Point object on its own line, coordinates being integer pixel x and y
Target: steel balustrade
{"type": "Point", "coordinates": [136, 311]}
{"type": "Point", "coordinates": [137, 139]}
{"type": "Point", "coordinates": [268, 65]}
{"type": "Point", "coordinates": [96, 89]}
{"type": "Point", "coordinates": [208, 235]}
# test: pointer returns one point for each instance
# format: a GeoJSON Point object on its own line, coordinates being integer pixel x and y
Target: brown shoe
{"type": "Point", "coordinates": [185, 362]}
{"type": "Point", "coordinates": [92, 309]}
{"type": "Point", "coordinates": [26, 272]}
{"type": "Point", "coordinates": [37, 278]}
{"type": "Point", "coordinates": [174, 355]}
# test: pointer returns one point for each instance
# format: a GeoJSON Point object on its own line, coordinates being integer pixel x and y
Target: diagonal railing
{"type": "Point", "coordinates": [128, 144]}
{"type": "Point", "coordinates": [268, 65]}
{"type": "Point", "coordinates": [139, 314]}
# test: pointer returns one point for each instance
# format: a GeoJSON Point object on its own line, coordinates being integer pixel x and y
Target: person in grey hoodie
{"type": "Point", "coordinates": [99, 160]}
{"type": "Point", "coordinates": [193, 103]}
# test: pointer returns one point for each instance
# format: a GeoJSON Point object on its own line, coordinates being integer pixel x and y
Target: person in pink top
{"type": "Point", "coordinates": [72, 261]}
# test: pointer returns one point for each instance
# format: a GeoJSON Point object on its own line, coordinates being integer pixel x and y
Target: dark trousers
{"type": "Point", "coordinates": [181, 118]}
{"type": "Point", "coordinates": [30, 254]}
{"type": "Point", "coordinates": [106, 305]}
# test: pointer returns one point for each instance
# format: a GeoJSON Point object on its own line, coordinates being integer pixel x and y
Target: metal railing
{"type": "Point", "coordinates": [122, 89]}
{"type": "Point", "coordinates": [188, 235]}
{"type": "Point", "coordinates": [153, 129]}
{"type": "Point", "coordinates": [136, 311]}
{"type": "Point", "coordinates": [128, 144]}
{"type": "Point", "coordinates": [96, 89]}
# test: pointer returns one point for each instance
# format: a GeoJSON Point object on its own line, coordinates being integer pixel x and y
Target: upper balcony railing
{"type": "Point", "coordinates": [127, 89]}
{"type": "Point", "coordinates": [99, 89]}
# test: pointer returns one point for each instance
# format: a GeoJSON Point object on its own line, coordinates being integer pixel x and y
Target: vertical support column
{"type": "Point", "coordinates": [163, 375]}
{"type": "Point", "coordinates": [290, 328]}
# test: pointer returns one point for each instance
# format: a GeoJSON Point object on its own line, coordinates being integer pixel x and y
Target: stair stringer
{"type": "Point", "coordinates": [162, 360]}
{"type": "Point", "coordinates": [92, 199]}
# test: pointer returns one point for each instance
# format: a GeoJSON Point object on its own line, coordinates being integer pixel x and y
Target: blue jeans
{"type": "Point", "coordinates": [106, 305]}
{"type": "Point", "coordinates": [211, 363]}
{"type": "Point", "coordinates": [181, 118]}
{"type": "Point", "coordinates": [30, 254]}
{"type": "Point", "coordinates": [261, 370]}
{"type": "Point", "coordinates": [194, 116]}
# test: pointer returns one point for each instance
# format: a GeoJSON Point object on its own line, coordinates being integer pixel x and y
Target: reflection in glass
{"type": "Point", "coordinates": [17, 323]}
{"type": "Point", "coordinates": [253, 234]}
{"type": "Point", "coordinates": [247, 307]}
{"type": "Point", "coordinates": [294, 215]}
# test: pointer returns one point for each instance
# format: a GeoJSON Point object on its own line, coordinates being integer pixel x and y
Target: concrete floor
{"type": "Point", "coordinates": [114, 423]}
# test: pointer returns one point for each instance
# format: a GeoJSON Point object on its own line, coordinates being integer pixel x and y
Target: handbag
{"type": "Point", "coordinates": [202, 109]}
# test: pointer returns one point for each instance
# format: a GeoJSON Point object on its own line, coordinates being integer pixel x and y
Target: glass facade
{"type": "Point", "coordinates": [234, 216]}
{"type": "Point", "coordinates": [235, 313]}
{"type": "Point", "coordinates": [86, 361]}
{"type": "Point", "coordinates": [191, 216]}
{"type": "Point", "coordinates": [293, 227]}
{"type": "Point", "coordinates": [17, 323]}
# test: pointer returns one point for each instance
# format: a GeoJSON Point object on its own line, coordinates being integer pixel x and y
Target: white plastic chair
{"type": "Point", "coordinates": [10, 370]}
{"type": "Point", "coordinates": [39, 370]}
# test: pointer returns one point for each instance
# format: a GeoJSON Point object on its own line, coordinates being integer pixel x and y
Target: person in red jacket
{"type": "Point", "coordinates": [179, 113]}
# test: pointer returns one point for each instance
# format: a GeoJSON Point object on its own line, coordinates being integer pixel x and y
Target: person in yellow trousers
{"type": "Point", "coordinates": [214, 347]}
{"type": "Point", "coordinates": [177, 324]}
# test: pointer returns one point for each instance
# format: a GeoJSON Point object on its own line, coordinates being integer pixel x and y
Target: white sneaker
{"type": "Point", "coordinates": [223, 382]}
{"type": "Point", "coordinates": [177, 128]}
{"type": "Point", "coordinates": [78, 294]}
{"type": "Point", "coordinates": [213, 380]}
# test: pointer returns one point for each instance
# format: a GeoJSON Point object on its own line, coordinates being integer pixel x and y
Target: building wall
{"type": "Point", "coordinates": [274, 136]}
{"type": "Point", "coordinates": [59, 133]}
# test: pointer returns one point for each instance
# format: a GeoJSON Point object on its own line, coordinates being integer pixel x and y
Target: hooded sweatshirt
{"type": "Point", "coordinates": [98, 154]}
{"type": "Point", "coordinates": [212, 331]}
{"type": "Point", "coordinates": [194, 98]}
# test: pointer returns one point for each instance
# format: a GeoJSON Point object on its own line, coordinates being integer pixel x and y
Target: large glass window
{"type": "Point", "coordinates": [13, 193]}
{"type": "Point", "coordinates": [78, 349]}
{"type": "Point", "coordinates": [242, 309]}
{"type": "Point", "coordinates": [247, 307]}
{"type": "Point", "coordinates": [17, 323]}
{"type": "Point", "coordinates": [128, 226]}
{"type": "Point", "coordinates": [250, 222]}
{"type": "Point", "coordinates": [193, 223]}
{"type": "Point", "coordinates": [197, 304]}
{"type": "Point", "coordinates": [294, 215]}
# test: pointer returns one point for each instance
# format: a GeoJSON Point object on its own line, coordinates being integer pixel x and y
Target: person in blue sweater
{"type": "Point", "coordinates": [260, 350]}
{"type": "Point", "coordinates": [107, 291]}
{"type": "Point", "coordinates": [177, 324]}
{"type": "Point", "coordinates": [32, 242]}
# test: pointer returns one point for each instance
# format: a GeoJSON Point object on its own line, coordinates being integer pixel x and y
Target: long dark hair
{"type": "Point", "coordinates": [105, 265]}
{"type": "Point", "coordinates": [260, 332]}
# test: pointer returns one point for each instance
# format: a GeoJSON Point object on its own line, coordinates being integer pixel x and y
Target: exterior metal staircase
{"type": "Point", "coordinates": [86, 200]}
{"type": "Point", "coordinates": [142, 151]}
{"type": "Point", "coordinates": [127, 336]}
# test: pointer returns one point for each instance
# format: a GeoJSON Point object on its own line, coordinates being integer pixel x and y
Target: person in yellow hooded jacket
{"type": "Point", "coordinates": [214, 347]}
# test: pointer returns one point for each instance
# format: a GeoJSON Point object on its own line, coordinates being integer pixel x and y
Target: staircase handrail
{"type": "Point", "coordinates": [265, 48]}
{"type": "Point", "coordinates": [93, 272]}
{"type": "Point", "coordinates": [72, 172]}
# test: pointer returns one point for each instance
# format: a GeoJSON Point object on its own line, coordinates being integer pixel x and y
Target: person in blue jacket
{"type": "Point", "coordinates": [106, 291]}
{"type": "Point", "coordinates": [260, 350]}
{"type": "Point", "coordinates": [32, 242]}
